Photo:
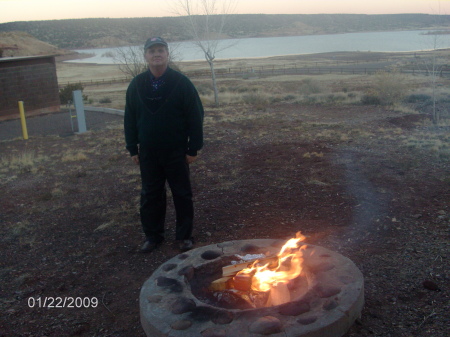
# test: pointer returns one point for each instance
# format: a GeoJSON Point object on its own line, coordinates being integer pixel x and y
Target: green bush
{"type": "Point", "coordinates": [65, 94]}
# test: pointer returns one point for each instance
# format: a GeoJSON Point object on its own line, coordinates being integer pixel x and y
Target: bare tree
{"type": "Point", "coordinates": [205, 22]}
{"type": "Point", "coordinates": [434, 65]}
{"type": "Point", "coordinates": [131, 59]}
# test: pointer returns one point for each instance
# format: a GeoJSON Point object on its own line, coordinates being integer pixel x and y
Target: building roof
{"type": "Point", "coordinates": [24, 58]}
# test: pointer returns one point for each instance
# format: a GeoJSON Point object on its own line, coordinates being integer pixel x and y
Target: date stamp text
{"type": "Point", "coordinates": [62, 302]}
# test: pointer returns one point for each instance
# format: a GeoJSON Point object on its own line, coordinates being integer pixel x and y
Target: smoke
{"type": "Point", "coordinates": [370, 205]}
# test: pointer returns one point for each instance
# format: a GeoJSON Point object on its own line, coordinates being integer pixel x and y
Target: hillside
{"type": "Point", "coordinates": [103, 32]}
{"type": "Point", "coordinates": [23, 44]}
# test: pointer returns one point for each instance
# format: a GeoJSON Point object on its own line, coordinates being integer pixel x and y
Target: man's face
{"type": "Point", "coordinates": [157, 56]}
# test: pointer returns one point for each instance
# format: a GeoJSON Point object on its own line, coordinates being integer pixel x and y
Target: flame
{"type": "Point", "coordinates": [289, 266]}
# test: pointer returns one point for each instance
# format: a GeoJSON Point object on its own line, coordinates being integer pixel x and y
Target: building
{"type": "Point", "coordinates": [32, 80]}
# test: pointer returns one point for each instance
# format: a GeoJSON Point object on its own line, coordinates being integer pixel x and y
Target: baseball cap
{"type": "Point", "coordinates": [155, 40]}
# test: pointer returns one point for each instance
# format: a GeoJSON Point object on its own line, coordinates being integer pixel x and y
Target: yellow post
{"type": "Point", "coordinates": [23, 121]}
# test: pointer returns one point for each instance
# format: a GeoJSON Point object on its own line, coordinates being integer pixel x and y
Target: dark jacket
{"type": "Point", "coordinates": [163, 114]}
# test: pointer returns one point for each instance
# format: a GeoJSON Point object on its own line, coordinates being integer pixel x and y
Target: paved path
{"type": "Point", "coordinates": [55, 124]}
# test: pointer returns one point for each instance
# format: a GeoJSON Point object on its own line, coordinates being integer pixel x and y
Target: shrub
{"type": "Point", "coordinates": [289, 97]}
{"type": "Point", "coordinates": [311, 100]}
{"type": "Point", "coordinates": [388, 87]}
{"type": "Point", "coordinates": [417, 98]}
{"type": "Point", "coordinates": [204, 89]}
{"type": "Point", "coordinates": [275, 99]}
{"type": "Point", "coordinates": [105, 100]}
{"type": "Point", "coordinates": [369, 99]}
{"type": "Point", "coordinates": [333, 98]}
{"type": "Point", "coordinates": [241, 89]}
{"type": "Point", "coordinates": [259, 101]}
{"type": "Point", "coordinates": [309, 86]}
{"type": "Point", "coordinates": [65, 94]}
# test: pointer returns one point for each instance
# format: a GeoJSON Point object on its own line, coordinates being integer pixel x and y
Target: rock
{"type": "Point", "coordinates": [154, 299]}
{"type": "Point", "coordinates": [266, 325]}
{"type": "Point", "coordinates": [250, 249]}
{"type": "Point", "coordinates": [210, 255]}
{"type": "Point", "coordinates": [183, 256]}
{"type": "Point", "coordinates": [430, 285]}
{"type": "Point", "coordinates": [307, 320]}
{"type": "Point", "coordinates": [182, 305]}
{"type": "Point", "coordinates": [223, 317]}
{"type": "Point", "coordinates": [214, 333]}
{"type": "Point", "coordinates": [330, 305]}
{"type": "Point", "coordinates": [169, 267]}
{"type": "Point", "coordinates": [232, 300]}
{"type": "Point", "coordinates": [321, 267]}
{"type": "Point", "coordinates": [165, 281]}
{"type": "Point", "coordinates": [181, 325]}
{"type": "Point", "coordinates": [171, 284]}
{"type": "Point", "coordinates": [325, 291]}
{"type": "Point", "coordinates": [187, 271]}
{"type": "Point", "coordinates": [294, 308]}
{"type": "Point", "coordinates": [202, 313]}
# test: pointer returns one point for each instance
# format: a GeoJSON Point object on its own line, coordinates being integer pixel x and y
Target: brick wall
{"type": "Point", "coordinates": [32, 80]}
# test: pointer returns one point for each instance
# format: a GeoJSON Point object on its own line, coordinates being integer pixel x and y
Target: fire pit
{"type": "Point", "coordinates": [206, 292]}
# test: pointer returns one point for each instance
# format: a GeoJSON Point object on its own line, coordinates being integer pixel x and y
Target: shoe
{"type": "Point", "coordinates": [149, 247]}
{"type": "Point", "coordinates": [186, 245]}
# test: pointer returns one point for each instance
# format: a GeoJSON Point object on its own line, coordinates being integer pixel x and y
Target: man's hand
{"type": "Point", "coordinates": [135, 159]}
{"type": "Point", "coordinates": [190, 159]}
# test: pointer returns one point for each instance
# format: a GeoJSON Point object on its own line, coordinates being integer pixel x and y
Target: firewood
{"type": "Point", "coordinates": [242, 282]}
{"type": "Point", "coordinates": [220, 284]}
{"type": "Point", "coordinates": [231, 270]}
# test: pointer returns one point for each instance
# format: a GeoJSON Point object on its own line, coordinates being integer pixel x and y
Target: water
{"type": "Point", "coordinates": [401, 41]}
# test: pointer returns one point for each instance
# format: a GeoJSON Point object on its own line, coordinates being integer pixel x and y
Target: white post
{"type": "Point", "coordinates": [79, 107]}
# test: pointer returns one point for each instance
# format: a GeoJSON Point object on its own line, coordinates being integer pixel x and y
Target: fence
{"type": "Point", "coordinates": [343, 68]}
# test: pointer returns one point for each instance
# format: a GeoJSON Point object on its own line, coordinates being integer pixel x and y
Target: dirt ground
{"type": "Point", "coordinates": [367, 182]}
{"type": "Point", "coordinates": [370, 183]}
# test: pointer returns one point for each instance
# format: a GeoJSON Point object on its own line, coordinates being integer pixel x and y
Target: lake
{"type": "Point", "coordinates": [400, 41]}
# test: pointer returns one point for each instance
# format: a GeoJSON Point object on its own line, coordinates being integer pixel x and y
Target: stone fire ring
{"type": "Point", "coordinates": [333, 302]}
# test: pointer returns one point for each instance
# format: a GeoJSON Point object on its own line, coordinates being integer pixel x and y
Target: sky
{"type": "Point", "coordinates": [31, 10]}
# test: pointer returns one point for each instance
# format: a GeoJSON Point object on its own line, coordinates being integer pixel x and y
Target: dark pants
{"type": "Point", "coordinates": [157, 167]}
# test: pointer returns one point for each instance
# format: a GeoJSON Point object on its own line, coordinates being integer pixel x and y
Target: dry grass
{"type": "Point", "coordinates": [26, 161]}
{"type": "Point", "coordinates": [74, 156]}
{"type": "Point", "coordinates": [261, 92]}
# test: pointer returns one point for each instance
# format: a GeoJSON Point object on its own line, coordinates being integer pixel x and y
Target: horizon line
{"type": "Point", "coordinates": [266, 14]}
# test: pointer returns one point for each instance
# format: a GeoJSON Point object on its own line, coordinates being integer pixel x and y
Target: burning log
{"type": "Point", "coordinates": [242, 282]}
{"type": "Point", "coordinates": [263, 282]}
{"type": "Point", "coordinates": [221, 284]}
{"type": "Point", "coordinates": [239, 285]}
{"type": "Point", "coordinates": [233, 269]}
{"type": "Point", "coordinates": [228, 279]}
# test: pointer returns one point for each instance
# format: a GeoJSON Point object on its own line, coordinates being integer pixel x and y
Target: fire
{"type": "Point", "coordinates": [289, 266]}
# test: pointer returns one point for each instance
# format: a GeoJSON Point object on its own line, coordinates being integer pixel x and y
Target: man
{"type": "Point", "coordinates": [163, 132]}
